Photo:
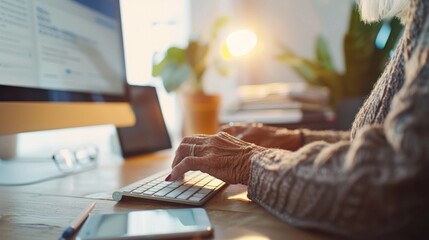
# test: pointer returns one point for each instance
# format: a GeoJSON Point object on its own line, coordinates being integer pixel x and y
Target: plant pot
{"type": "Point", "coordinates": [200, 113]}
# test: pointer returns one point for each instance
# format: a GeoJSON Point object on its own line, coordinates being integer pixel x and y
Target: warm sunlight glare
{"type": "Point", "coordinates": [240, 197]}
{"type": "Point", "coordinates": [241, 42]}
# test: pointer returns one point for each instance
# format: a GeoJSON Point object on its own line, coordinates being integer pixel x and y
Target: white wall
{"type": "Point", "coordinates": [150, 27]}
{"type": "Point", "coordinates": [291, 22]}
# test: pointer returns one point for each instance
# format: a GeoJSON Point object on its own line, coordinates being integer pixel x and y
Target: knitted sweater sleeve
{"type": "Point", "coordinates": [309, 136]}
{"type": "Point", "coordinates": [372, 185]}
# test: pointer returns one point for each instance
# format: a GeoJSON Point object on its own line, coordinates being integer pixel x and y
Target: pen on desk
{"type": "Point", "coordinates": [77, 222]}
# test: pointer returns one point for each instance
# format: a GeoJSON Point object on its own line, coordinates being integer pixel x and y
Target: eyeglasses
{"type": "Point", "coordinates": [82, 158]}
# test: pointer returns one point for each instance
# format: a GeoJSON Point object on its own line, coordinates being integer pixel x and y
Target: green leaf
{"type": "Point", "coordinates": [359, 51]}
{"type": "Point", "coordinates": [322, 53]}
{"type": "Point", "coordinates": [173, 55]}
{"type": "Point", "coordinates": [173, 69]}
{"type": "Point", "coordinates": [157, 68]}
{"type": "Point", "coordinates": [364, 62]}
{"type": "Point", "coordinates": [174, 75]}
{"type": "Point", "coordinates": [302, 66]}
{"type": "Point", "coordinates": [176, 55]}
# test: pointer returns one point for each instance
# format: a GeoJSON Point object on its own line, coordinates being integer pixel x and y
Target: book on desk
{"type": "Point", "coordinates": [282, 104]}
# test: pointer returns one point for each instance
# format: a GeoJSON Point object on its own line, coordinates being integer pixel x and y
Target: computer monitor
{"type": "Point", "coordinates": [61, 65]}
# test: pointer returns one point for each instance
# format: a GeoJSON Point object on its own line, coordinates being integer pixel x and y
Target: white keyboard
{"type": "Point", "coordinates": [195, 188]}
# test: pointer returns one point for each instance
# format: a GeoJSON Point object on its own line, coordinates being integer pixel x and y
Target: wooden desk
{"type": "Point", "coordinates": [43, 210]}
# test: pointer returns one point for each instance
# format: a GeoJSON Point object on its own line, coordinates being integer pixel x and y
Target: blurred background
{"type": "Point", "coordinates": [295, 44]}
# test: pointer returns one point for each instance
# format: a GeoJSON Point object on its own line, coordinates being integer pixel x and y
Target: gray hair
{"type": "Point", "coordinates": [375, 10]}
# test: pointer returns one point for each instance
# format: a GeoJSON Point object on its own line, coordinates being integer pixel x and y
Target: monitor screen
{"type": "Point", "coordinates": [61, 66]}
{"type": "Point", "coordinates": [61, 50]}
{"type": "Point", "coordinates": [57, 59]}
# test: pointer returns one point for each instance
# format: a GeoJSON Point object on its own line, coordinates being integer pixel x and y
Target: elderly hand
{"type": "Point", "coordinates": [265, 136]}
{"type": "Point", "coordinates": [222, 156]}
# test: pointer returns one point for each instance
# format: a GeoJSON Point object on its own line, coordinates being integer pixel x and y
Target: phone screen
{"type": "Point", "coordinates": [150, 224]}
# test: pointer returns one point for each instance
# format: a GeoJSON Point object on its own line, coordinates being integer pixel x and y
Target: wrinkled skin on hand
{"type": "Point", "coordinates": [222, 156]}
{"type": "Point", "coordinates": [265, 136]}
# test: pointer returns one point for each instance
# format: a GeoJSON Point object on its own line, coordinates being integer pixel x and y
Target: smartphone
{"type": "Point", "coordinates": [148, 224]}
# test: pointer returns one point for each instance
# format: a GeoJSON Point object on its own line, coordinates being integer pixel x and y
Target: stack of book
{"type": "Point", "coordinates": [280, 103]}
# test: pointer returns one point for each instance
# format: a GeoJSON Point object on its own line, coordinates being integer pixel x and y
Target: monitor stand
{"type": "Point", "coordinates": [31, 160]}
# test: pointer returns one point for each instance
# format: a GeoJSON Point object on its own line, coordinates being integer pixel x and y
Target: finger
{"type": "Point", "coordinates": [185, 150]}
{"type": "Point", "coordinates": [197, 139]}
{"type": "Point", "coordinates": [188, 164]}
{"type": "Point", "coordinates": [235, 130]}
{"type": "Point", "coordinates": [231, 139]}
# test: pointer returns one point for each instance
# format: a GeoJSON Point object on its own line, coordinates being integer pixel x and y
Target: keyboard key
{"type": "Point", "coordinates": [164, 184]}
{"type": "Point", "coordinates": [156, 189]}
{"type": "Point", "coordinates": [209, 187]}
{"type": "Point", "coordinates": [173, 194]}
{"type": "Point", "coordinates": [215, 182]}
{"type": "Point", "coordinates": [140, 190]}
{"type": "Point", "coordinates": [197, 197]}
{"type": "Point", "coordinates": [177, 191]}
{"type": "Point", "coordinates": [200, 184]}
{"type": "Point", "coordinates": [192, 181]}
{"type": "Point", "coordinates": [149, 192]}
{"type": "Point", "coordinates": [175, 184]}
{"type": "Point", "coordinates": [184, 196]}
{"type": "Point", "coordinates": [163, 192]}
{"type": "Point", "coordinates": [128, 189]}
{"type": "Point", "coordinates": [205, 191]}
{"type": "Point", "coordinates": [188, 185]}
{"type": "Point", "coordinates": [188, 193]}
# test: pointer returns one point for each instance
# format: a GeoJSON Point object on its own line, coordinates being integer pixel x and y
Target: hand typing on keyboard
{"type": "Point", "coordinates": [222, 156]}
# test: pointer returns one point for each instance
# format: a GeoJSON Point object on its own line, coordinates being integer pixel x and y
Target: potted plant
{"type": "Point", "coordinates": [183, 69]}
{"type": "Point", "coordinates": [364, 63]}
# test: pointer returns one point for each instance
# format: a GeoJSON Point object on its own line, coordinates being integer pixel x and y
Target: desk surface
{"type": "Point", "coordinates": [43, 210]}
